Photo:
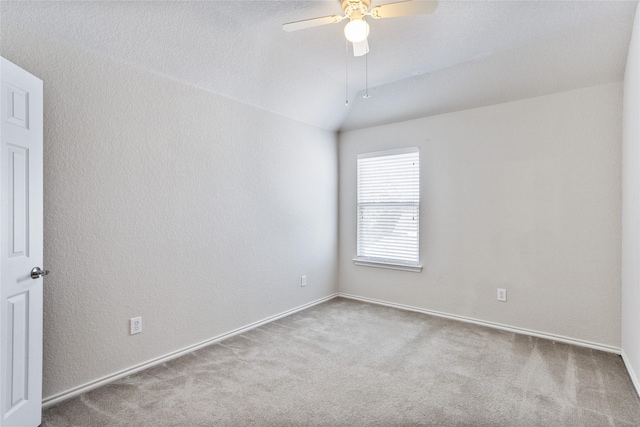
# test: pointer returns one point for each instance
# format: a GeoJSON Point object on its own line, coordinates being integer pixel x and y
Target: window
{"type": "Point", "coordinates": [388, 209]}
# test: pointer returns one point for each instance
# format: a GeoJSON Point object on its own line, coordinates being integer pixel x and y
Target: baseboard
{"type": "Point", "coordinates": [632, 373]}
{"type": "Point", "coordinates": [76, 391]}
{"type": "Point", "coordinates": [522, 331]}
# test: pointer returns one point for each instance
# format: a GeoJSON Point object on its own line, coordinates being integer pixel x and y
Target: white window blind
{"type": "Point", "coordinates": [388, 206]}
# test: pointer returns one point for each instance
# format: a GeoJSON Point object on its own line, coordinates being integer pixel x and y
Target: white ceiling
{"type": "Point", "coordinates": [467, 54]}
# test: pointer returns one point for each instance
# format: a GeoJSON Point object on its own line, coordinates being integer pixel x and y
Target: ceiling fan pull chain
{"type": "Point", "coordinates": [366, 77]}
{"type": "Point", "coordinates": [346, 74]}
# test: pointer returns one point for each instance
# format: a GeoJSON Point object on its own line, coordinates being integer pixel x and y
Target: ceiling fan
{"type": "Point", "coordinates": [357, 29]}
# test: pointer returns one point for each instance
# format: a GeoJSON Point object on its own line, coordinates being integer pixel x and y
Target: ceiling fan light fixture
{"type": "Point", "coordinates": [357, 30]}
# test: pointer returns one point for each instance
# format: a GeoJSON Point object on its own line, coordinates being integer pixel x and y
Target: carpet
{"type": "Point", "coordinates": [348, 363]}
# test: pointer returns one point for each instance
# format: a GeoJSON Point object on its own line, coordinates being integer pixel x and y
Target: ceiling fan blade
{"type": "Point", "coordinates": [361, 48]}
{"type": "Point", "coordinates": [404, 8]}
{"type": "Point", "coordinates": [313, 22]}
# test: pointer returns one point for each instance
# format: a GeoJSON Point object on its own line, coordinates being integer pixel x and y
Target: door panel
{"type": "Point", "coordinates": [20, 247]}
{"type": "Point", "coordinates": [18, 199]}
{"type": "Point", "coordinates": [18, 111]}
{"type": "Point", "coordinates": [18, 315]}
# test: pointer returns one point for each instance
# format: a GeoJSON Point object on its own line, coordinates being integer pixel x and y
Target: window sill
{"type": "Point", "coordinates": [389, 265]}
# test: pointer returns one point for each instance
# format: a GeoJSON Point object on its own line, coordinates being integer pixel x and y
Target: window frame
{"type": "Point", "coordinates": [389, 263]}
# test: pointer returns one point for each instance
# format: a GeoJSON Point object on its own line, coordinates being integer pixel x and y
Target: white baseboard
{"type": "Point", "coordinates": [522, 331]}
{"type": "Point", "coordinates": [632, 373]}
{"type": "Point", "coordinates": [76, 391]}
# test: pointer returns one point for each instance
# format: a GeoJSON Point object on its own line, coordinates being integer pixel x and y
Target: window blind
{"type": "Point", "coordinates": [388, 206]}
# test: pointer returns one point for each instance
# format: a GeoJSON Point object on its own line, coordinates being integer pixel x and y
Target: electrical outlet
{"type": "Point", "coordinates": [136, 325]}
{"type": "Point", "coordinates": [502, 294]}
{"type": "Point", "coordinates": [303, 281]}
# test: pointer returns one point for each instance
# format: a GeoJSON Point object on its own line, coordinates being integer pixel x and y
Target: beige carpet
{"type": "Point", "coordinates": [346, 363]}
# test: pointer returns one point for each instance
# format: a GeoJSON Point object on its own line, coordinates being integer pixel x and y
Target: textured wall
{"type": "Point", "coordinates": [194, 211]}
{"type": "Point", "coordinates": [523, 196]}
{"type": "Point", "coordinates": [631, 206]}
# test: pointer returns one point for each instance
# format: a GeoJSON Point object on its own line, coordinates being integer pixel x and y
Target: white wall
{"type": "Point", "coordinates": [631, 208]}
{"type": "Point", "coordinates": [189, 209]}
{"type": "Point", "coordinates": [523, 196]}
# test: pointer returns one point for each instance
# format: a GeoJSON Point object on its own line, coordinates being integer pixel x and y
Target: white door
{"type": "Point", "coordinates": [20, 247]}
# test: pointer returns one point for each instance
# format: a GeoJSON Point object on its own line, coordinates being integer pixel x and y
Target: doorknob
{"type": "Point", "coordinates": [36, 272]}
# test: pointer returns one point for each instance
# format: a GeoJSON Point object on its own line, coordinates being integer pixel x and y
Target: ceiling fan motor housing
{"type": "Point", "coordinates": [358, 6]}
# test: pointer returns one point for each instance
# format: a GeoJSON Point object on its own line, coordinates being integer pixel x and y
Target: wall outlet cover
{"type": "Point", "coordinates": [136, 325]}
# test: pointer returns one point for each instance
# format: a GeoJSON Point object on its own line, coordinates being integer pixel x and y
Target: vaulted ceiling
{"type": "Point", "coordinates": [466, 54]}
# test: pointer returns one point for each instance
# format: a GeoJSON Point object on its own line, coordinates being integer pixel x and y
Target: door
{"type": "Point", "coordinates": [20, 247]}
